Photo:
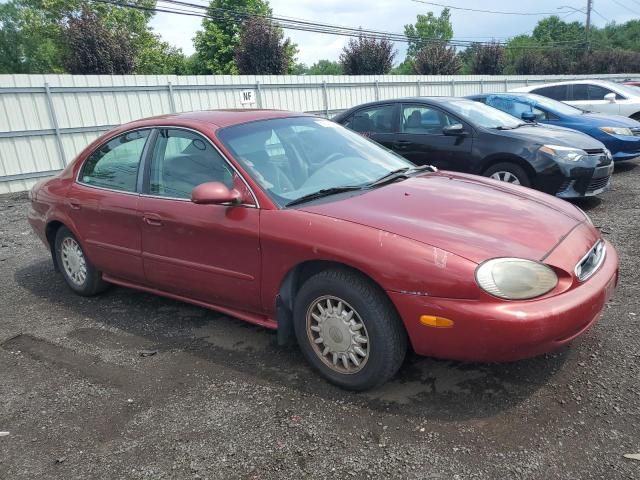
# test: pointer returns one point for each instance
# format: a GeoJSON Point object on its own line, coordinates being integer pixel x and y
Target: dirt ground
{"type": "Point", "coordinates": [129, 385]}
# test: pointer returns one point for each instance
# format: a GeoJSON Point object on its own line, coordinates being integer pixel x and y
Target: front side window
{"type": "Point", "coordinates": [377, 119]}
{"type": "Point", "coordinates": [295, 156]}
{"type": "Point", "coordinates": [424, 120]}
{"type": "Point", "coordinates": [115, 164]}
{"type": "Point", "coordinates": [597, 92]}
{"type": "Point", "coordinates": [181, 161]}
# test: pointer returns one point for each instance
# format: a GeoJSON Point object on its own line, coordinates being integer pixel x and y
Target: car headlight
{"type": "Point", "coordinates": [564, 154]}
{"type": "Point", "coordinates": [617, 131]}
{"type": "Point", "coordinates": [515, 278]}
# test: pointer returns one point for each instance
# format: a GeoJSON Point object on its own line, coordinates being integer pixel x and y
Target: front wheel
{"type": "Point", "coordinates": [348, 329]}
{"type": "Point", "coordinates": [508, 172]}
{"type": "Point", "coordinates": [81, 276]}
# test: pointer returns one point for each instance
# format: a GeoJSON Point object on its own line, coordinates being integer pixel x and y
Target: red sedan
{"type": "Point", "coordinates": [297, 224]}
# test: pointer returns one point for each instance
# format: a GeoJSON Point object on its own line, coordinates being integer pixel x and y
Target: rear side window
{"type": "Point", "coordinates": [557, 92]}
{"type": "Point", "coordinates": [115, 164]}
{"type": "Point", "coordinates": [377, 119]}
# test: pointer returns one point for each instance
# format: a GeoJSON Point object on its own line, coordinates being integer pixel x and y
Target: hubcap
{"type": "Point", "coordinates": [505, 177]}
{"type": "Point", "coordinates": [73, 261]}
{"type": "Point", "coordinates": [337, 334]}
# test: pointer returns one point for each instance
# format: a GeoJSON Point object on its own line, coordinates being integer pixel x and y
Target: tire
{"type": "Point", "coordinates": [71, 259]}
{"type": "Point", "coordinates": [353, 297]}
{"type": "Point", "coordinates": [508, 170]}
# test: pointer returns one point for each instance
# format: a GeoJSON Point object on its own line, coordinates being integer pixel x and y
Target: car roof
{"type": "Point", "coordinates": [431, 100]}
{"type": "Point", "coordinates": [219, 118]}
{"type": "Point", "coordinates": [588, 81]}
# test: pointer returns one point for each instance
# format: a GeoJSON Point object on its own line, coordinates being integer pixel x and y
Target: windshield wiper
{"type": "Point", "coordinates": [502, 127]}
{"type": "Point", "coordinates": [404, 172]}
{"type": "Point", "coordinates": [325, 192]}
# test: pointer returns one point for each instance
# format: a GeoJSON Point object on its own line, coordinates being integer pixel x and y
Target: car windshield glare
{"type": "Point", "coordinates": [483, 115]}
{"type": "Point", "coordinates": [297, 156]}
{"type": "Point", "coordinates": [553, 105]}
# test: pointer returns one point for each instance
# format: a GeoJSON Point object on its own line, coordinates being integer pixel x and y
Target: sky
{"type": "Point", "coordinates": [392, 15]}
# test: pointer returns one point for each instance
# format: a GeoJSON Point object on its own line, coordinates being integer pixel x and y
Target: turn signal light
{"type": "Point", "coordinates": [437, 322]}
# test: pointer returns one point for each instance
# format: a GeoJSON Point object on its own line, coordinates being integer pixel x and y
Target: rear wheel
{"type": "Point", "coordinates": [508, 172]}
{"type": "Point", "coordinates": [348, 329]}
{"type": "Point", "coordinates": [82, 277]}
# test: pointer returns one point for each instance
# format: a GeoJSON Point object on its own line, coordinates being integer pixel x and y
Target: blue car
{"type": "Point", "coordinates": [621, 135]}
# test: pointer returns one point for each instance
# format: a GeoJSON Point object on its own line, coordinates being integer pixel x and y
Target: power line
{"type": "Point", "coordinates": [495, 12]}
{"type": "Point", "coordinates": [308, 26]}
{"type": "Point", "coordinates": [628, 8]}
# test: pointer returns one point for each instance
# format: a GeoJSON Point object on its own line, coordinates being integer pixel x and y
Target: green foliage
{"type": "Point", "coordinates": [405, 68]}
{"type": "Point", "coordinates": [428, 27]}
{"type": "Point", "coordinates": [367, 56]}
{"type": "Point", "coordinates": [262, 49]}
{"type": "Point", "coordinates": [325, 67]}
{"type": "Point", "coordinates": [216, 43]}
{"type": "Point", "coordinates": [437, 58]}
{"type": "Point", "coordinates": [485, 59]}
{"type": "Point", "coordinates": [33, 38]}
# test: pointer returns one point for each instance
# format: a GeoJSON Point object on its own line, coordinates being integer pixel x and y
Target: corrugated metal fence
{"type": "Point", "coordinates": [46, 120]}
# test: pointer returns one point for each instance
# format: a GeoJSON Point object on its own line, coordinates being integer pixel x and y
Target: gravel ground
{"type": "Point", "coordinates": [129, 385]}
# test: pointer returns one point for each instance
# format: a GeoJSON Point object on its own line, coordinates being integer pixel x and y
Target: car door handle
{"type": "Point", "coordinates": [74, 205]}
{"type": "Point", "coordinates": [152, 219]}
{"type": "Point", "coordinates": [402, 143]}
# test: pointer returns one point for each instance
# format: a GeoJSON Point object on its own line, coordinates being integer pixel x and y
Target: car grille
{"type": "Point", "coordinates": [594, 151]}
{"type": "Point", "coordinates": [591, 261]}
{"type": "Point", "coordinates": [636, 131]}
{"type": "Point", "coordinates": [598, 184]}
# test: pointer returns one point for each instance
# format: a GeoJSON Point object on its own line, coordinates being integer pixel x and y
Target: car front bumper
{"type": "Point", "coordinates": [498, 330]}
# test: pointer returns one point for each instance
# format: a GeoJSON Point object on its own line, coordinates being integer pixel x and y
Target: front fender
{"type": "Point", "coordinates": [291, 237]}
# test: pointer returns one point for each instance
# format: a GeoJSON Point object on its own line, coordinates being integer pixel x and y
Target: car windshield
{"type": "Point", "coordinates": [483, 115]}
{"type": "Point", "coordinates": [554, 105]}
{"type": "Point", "coordinates": [297, 156]}
{"type": "Point", "coordinates": [626, 90]}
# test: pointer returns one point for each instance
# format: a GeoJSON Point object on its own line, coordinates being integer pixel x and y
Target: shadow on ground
{"type": "Point", "coordinates": [427, 387]}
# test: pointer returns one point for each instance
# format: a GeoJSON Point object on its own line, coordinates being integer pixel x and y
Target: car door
{"type": "Point", "coordinates": [422, 141]}
{"type": "Point", "coordinates": [209, 253]}
{"type": "Point", "coordinates": [103, 205]}
{"type": "Point", "coordinates": [591, 97]}
{"type": "Point", "coordinates": [379, 123]}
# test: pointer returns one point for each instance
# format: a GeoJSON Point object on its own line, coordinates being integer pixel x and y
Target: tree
{"type": "Point", "coordinates": [367, 56]}
{"type": "Point", "coordinates": [216, 43]}
{"type": "Point", "coordinates": [437, 59]}
{"type": "Point", "coordinates": [325, 67]}
{"type": "Point", "coordinates": [262, 49]}
{"type": "Point", "coordinates": [94, 49]}
{"type": "Point", "coordinates": [487, 59]}
{"type": "Point", "coordinates": [428, 27]}
{"type": "Point", "coordinates": [32, 34]}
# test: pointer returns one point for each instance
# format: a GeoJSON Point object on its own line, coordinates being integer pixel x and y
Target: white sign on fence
{"type": "Point", "coordinates": [247, 97]}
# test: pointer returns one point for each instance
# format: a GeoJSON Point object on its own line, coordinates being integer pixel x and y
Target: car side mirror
{"type": "Point", "coordinates": [214, 193]}
{"type": "Point", "coordinates": [457, 129]}
{"type": "Point", "coordinates": [610, 97]}
{"type": "Point", "coordinates": [528, 116]}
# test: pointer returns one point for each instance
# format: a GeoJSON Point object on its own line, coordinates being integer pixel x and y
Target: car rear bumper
{"type": "Point", "coordinates": [496, 330]}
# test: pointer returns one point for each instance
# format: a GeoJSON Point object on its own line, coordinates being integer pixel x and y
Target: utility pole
{"type": "Point", "coordinates": [588, 24]}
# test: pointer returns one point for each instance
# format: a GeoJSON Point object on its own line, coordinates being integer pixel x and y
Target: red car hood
{"type": "Point", "coordinates": [470, 216]}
